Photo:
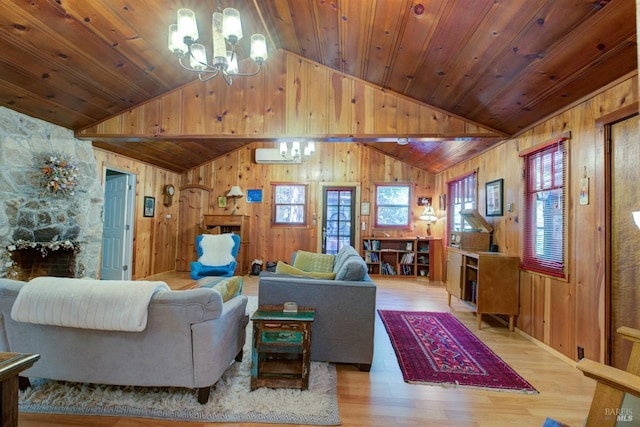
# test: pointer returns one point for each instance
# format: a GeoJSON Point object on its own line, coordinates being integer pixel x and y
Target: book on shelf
{"type": "Point", "coordinates": [387, 269]}
{"type": "Point", "coordinates": [407, 258]}
{"type": "Point", "coordinates": [371, 245]}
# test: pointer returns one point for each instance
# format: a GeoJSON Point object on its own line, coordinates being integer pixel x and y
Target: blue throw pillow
{"type": "Point", "coordinates": [354, 269]}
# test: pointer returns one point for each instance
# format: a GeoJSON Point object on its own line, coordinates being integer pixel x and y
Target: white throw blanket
{"type": "Point", "coordinates": [112, 305]}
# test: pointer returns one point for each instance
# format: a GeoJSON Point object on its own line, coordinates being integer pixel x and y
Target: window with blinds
{"type": "Point", "coordinates": [545, 208]}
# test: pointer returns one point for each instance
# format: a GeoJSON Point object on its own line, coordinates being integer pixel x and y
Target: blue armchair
{"type": "Point", "coordinates": [212, 247]}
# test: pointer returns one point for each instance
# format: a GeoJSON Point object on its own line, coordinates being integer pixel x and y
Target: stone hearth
{"type": "Point", "coordinates": [32, 216]}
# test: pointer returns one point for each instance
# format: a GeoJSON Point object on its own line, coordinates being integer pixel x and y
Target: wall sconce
{"type": "Point", "coordinates": [428, 215]}
{"type": "Point", "coordinates": [235, 193]}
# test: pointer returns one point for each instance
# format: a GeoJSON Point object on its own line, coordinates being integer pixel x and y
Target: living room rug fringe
{"type": "Point", "coordinates": [231, 399]}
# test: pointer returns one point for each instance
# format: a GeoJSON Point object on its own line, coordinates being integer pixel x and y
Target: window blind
{"type": "Point", "coordinates": [545, 209]}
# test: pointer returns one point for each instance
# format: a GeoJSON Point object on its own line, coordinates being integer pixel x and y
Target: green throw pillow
{"type": "Point", "coordinates": [284, 268]}
{"type": "Point", "coordinates": [311, 261]}
{"type": "Point", "coordinates": [229, 288]}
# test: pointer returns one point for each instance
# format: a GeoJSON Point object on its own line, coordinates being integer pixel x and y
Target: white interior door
{"type": "Point", "coordinates": [117, 234]}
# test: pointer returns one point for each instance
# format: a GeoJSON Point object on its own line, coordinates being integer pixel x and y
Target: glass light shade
{"type": "Point", "coordinates": [307, 151]}
{"type": "Point", "coordinates": [283, 149]}
{"type": "Point", "coordinates": [312, 146]}
{"type": "Point", "coordinates": [235, 191]}
{"type": "Point", "coordinates": [175, 42]}
{"type": "Point", "coordinates": [295, 148]}
{"type": "Point", "coordinates": [258, 48]}
{"type": "Point", "coordinates": [219, 45]}
{"type": "Point", "coordinates": [232, 60]}
{"type": "Point", "coordinates": [198, 57]}
{"type": "Point", "coordinates": [187, 26]}
{"type": "Point", "coordinates": [232, 27]}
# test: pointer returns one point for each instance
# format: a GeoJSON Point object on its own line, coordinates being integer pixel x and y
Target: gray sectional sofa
{"type": "Point", "coordinates": [191, 338]}
{"type": "Point", "coordinates": [343, 330]}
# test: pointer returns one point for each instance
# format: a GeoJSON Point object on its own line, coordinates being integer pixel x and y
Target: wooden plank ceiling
{"type": "Point", "coordinates": [503, 65]}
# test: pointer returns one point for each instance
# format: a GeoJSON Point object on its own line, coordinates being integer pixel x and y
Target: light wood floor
{"type": "Point", "coordinates": [382, 398]}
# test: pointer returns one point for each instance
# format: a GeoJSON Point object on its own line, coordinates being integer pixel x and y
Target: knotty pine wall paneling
{"type": "Point", "coordinates": [292, 98]}
{"type": "Point", "coordinates": [155, 239]}
{"type": "Point", "coordinates": [560, 313]}
{"type": "Point", "coordinates": [193, 204]}
{"type": "Point", "coordinates": [332, 162]}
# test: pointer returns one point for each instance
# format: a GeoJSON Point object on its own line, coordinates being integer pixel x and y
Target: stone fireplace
{"type": "Point", "coordinates": [35, 262]}
{"type": "Point", "coordinates": [44, 233]}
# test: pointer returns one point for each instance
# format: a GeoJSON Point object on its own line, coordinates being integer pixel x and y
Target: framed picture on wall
{"type": "Point", "coordinates": [364, 208]}
{"type": "Point", "coordinates": [254, 196]}
{"type": "Point", "coordinates": [493, 194]}
{"type": "Point", "coordinates": [149, 206]}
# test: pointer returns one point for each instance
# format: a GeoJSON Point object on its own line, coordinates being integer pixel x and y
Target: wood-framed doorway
{"type": "Point", "coordinates": [621, 133]}
{"type": "Point", "coordinates": [322, 209]}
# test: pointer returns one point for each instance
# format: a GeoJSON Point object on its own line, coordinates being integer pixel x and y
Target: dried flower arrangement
{"type": "Point", "coordinates": [59, 176]}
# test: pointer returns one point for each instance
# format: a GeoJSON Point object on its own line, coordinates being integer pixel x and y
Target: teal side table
{"type": "Point", "coordinates": [281, 347]}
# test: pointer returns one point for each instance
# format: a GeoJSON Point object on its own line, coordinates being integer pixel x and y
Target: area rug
{"type": "Point", "coordinates": [437, 349]}
{"type": "Point", "coordinates": [231, 399]}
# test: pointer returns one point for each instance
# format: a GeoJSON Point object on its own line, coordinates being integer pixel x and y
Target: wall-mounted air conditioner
{"type": "Point", "coordinates": [272, 155]}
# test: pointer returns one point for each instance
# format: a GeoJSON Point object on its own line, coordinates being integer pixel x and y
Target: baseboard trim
{"type": "Point", "coordinates": [537, 342]}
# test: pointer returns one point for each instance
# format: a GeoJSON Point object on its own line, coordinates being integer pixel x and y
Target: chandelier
{"type": "Point", "coordinates": [295, 153]}
{"type": "Point", "coordinates": [227, 32]}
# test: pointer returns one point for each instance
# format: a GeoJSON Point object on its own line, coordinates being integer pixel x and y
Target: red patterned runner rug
{"type": "Point", "coordinates": [436, 348]}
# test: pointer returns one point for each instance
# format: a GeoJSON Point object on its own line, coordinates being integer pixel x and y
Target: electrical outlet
{"type": "Point", "coordinates": [580, 352]}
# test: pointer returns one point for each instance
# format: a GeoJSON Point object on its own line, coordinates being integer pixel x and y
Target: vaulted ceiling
{"type": "Point", "coordinates": [502, 65]}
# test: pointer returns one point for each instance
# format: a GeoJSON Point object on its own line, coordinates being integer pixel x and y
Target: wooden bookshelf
{"type": "Point", "coordinates": [403, 257]}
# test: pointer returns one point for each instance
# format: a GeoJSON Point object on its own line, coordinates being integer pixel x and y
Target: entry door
{"type": "Point", "coordinates": [116, 232]}
{"type": "Point", "coordinates": [625, 236]}
{"type": "Point", "coordinates": [338, 224]}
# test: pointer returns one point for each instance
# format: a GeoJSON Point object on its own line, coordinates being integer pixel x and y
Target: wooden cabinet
{"type": "Point", "coordinates": [237, 224]}
{"type": "Point", "coordinates": [487, 280]}
{"type": "Point", "coordinates": [403, 256]}
{"type": "Point", "coordinates": [454, 274]}
{"type": "Point", "coordinates": [281, 349]}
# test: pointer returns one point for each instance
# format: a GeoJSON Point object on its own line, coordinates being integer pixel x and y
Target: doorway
{"type": "Point", "coordinates": [624, 244]}
{"type": "Point", "coordinates": [338, 219]}
{"type": "Point", "coordinates": [117, 232]}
